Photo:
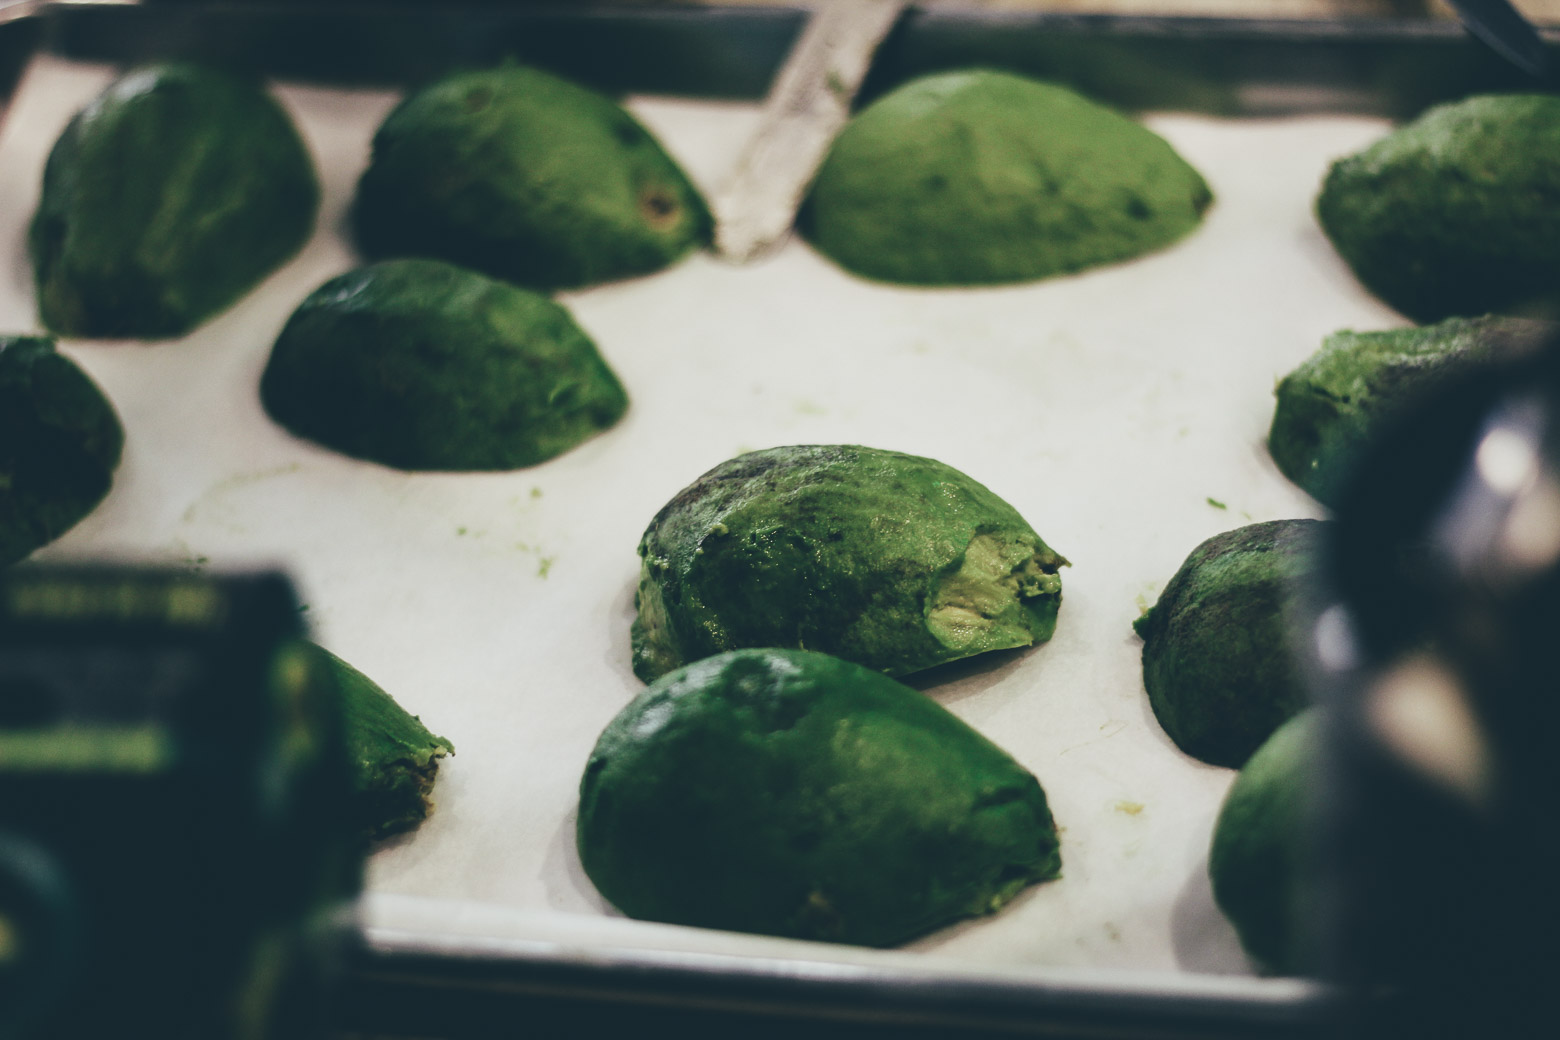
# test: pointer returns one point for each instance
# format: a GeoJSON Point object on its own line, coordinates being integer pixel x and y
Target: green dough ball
{"type": "Point", "coordinates": [1216, 654]}
{"type": "Point", "coordinates": [1457, 212]}
{"type": "Point", "coordinates": [791, 793]}
{"type": "Point", "coordinates": [392, 758]}
{"type": "Point", "coordinates": [1348, 393]}
{"type": "Point", "coordinates": [966, 178]}
{"type": "Point", "coordinates": [526, 177]}
{"type": "Point", "coordinates": [165, 200]}
{"type": "Point", "coordinates": [1259, 860]}
{"type": "Point", "coordinates": [59, 445]}
{"type": "Point", "coordinates": [422, 365]}
{"type": "Point", "coordinates": [893, 561]}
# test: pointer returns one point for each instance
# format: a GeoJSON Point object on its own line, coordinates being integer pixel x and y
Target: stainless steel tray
{"type": "Point", "coordinates": [438, 981]}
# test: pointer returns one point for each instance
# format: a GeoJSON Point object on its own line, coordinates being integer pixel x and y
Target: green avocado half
{"type": "Point", "coordinates": [976, 177]}
{"type": "Point", "coordinates": [526, 177]}
{"type": "Point", "coordinates": [392, 757]}
{"type": "Point", "coordinates": [790, 793]}
{"type": "Point", "coordinates": [1457, 212]}
{"type": "Point", "coordinates": [60, 443]}
{"type": "Point", "coordinates": [422, 365]}
{"type": "Point", "coordinates": [1217, 663]}
{"type": "Point", "coordinates": [1259, 862]}
{"type": "Point", "coordinates": [894, 561]}
{"type": "Point", "coordinates": [1344, 396]}
{"type": "Point", "coordinates": [165, 200]}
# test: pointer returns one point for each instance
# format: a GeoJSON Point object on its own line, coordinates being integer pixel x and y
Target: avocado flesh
{"type": "Point", "coordinates": [1258, 860]}
{"type": "Point", "coordinates": [1457, 212]}
{"type": "Point", "coordinates": [422, 365]}
{"type": "Point", "coordinates": [893, 561]}
{"type": "Point", "coordinates": [1217, 663]}
{"type": "Point", "coordinates": [977, 177]}
{"type": "Point", "coordinates": [526, 177]}
{"type": "Point", "coordinates": [789, 793]}
{"type": "Point", "coordinates": [165, 200]}
{"type": "Point", "coordinates": [392, 757]}
{"type": "Point", "coordinates": [1342, 399]}
{"type": "Point", "coordinates": [60, 443]}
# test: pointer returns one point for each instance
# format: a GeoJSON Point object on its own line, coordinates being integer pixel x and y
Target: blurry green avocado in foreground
{"type": "Point", "coordinates": [790, 793]}
{"type": "Point", "coordinates": [1457, 212]}
{"type": "Point", "coordinates": [165, 200]}
{"type": "Point", "coordinates": [60, 443]}
{"type": "Point", "coordinates": [976, 177]}
{"type": "Point", "coordinates": [526, 177]}
{"type": "Point", "coordinates": [1217, 663]}
{"type": "Point", "coordinates": [893, 561]}
{"type": "Point", "coordinates": [1258, 863]}
{"type": "Point", "coordinates": [392, 758]}
{"type": "Point", "coordinates": [422, 365]}
{"type": "Point", "coordinates": [1349, 392]}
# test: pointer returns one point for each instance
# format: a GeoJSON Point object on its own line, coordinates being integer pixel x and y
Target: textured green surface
{"type": "Point", "coordinates": [893, 561]}
{"type": "Point", "coordinates": [1351, 390]}
{"type": "Point", "coordinates": [978, 177]}
{"type": "Point", "coordinates": [1258, 860]}
{"type": "Point", "coordinates": [166, 199]}
{"type": "Point", "coordinates": [59, 445]}
{"type": "Point", "coordinates": [791, 793]}
{"type": "Point", "coordinates": [1456, 213]}
{"type": "Point", "coordinates": [527, 177]}
{"type": "Point", "coordinates": [422, 365]}
{"type": "Point", "coordinates": [393, 759]}
{"type": "Point", "coordinates": [1216, 658]}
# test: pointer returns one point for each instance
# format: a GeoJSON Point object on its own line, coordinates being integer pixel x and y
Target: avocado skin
{"type": "Point", "coordinates": [789, 793]}
{"type": "Point", "coordinates": [526, 177]}
{"type": "Point", "coordinates": [165, 200]}
{"type": "Point", "coordinates": [977, 177]}
{"type": "Point", "coordinates": [1216, 658]}
{"type": "Point", "coordinates": [423, 365]}
{"type": "Point", "coordinates": [1259, 860]}
{"type": "Point", "coordinates": [1344, 396]}
{"type": "Point", "coordinates": [1457, 212]}
{"type": "Point", "coordinates": [60, 443]}
{"type": "Point", "coordinates": [392, 757]}
{"type": "Point", "coordinates": [852, 551]}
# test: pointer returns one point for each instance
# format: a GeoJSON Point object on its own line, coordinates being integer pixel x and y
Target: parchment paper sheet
{"type": "Point", "coordinates": [1108, 407]}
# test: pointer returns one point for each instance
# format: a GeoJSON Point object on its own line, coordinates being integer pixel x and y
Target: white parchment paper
{"type": "Point", "coordinates": [1112, 408]}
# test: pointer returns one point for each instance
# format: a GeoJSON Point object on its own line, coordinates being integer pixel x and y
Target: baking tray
{"type": "Point", "coordinates": [434, 966]}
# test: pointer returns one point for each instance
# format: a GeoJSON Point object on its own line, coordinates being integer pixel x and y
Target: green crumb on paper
{"type": "Point", "coordinates": [460, 530]}
{"type": "Point", "coordinates": [544, 565]}
{"type": "Point", "coordinates": [536, 492]}
{"type": "Point", "coordinates": [1129, 808]}
{"type": "Point", "coordinates": [1215, 503]}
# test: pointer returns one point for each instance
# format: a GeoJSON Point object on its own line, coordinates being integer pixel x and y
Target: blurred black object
{"type": "Point", "coordinates": [1438, 653]}
{"type": "Point", "coordinates": [172, 859]}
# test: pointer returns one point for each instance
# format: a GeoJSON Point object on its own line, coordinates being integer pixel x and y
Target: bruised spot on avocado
{"type": "Point", "coordinates": [478, 98]}
{"type": "Point", "coordinates": [659, 206]}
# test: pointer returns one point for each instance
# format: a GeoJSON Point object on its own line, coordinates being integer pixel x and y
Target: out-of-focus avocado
{"type": "Point", "coordinates": [165, 200]}
{"type": "Point", "coordinates": [790, 793]}
{"type": "Point", "coordinates": [60, 443]}
{"type": "Point", "coordinates": [1217, 662]}
{"type": "Point", "coordinates": [974, 177]}
{"type": "Point", "coordinates": [893, 561]}
{"type": "Point", "coordinates": [1339, 401]}
{"type": "Point", "coordinates": [1457, 212]}
{"type": "Point", "coordinates": [422, 365]}
{"type": "Point", "coordinates": [392, 757]}
{"type": "Point", "coordinates": [1260, 859]}
{"type": "Point", "coordinates": [526, 177]}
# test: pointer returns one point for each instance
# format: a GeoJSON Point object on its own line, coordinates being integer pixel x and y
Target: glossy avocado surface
{"type": "Point", "coordinates": [527, 177]}
{"type": "Point", "coordinates": [166, 199]}
{"type": "Point", "coordinates": [894, 561]}
{"type": "Point", "coordinates": [422, 365]}
{"type": "Point", "coordinates": [60, 443]}
{"type": "Point", "coordinates": [790, 793]}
